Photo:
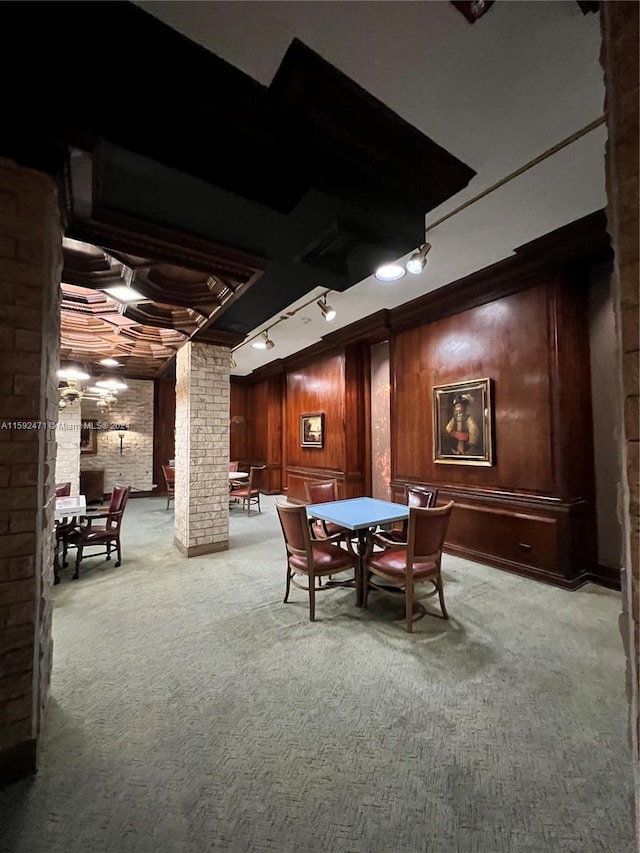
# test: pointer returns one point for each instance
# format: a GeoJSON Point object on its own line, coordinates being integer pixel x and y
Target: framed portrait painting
{"type": "Point", "coordinates": [463, 423]}
{"type": "Point", "coordinates": [312, 430]}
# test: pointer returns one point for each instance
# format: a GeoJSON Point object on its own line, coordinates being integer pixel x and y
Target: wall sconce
{"type": "Point", "coordinates": [121, 430]}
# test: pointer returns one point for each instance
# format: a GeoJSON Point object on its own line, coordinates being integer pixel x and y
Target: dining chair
{"type": "Point", "coordinates": [233, 467]}
{"type": "Point", "coordinates": [400, 568]}
{"type": "Point", "coordinates": [247, 490]}
{"type": "Point", "coordinates": [66, 524]}
{"type": "Point", "coordinates": [309, 558]}
{"type": "Point", "coordinates": [105, 533]}
{"type": "Point", "coordinates": [169, 474]}
{"type": "Point", "coordinates": [413, 496]}
{"type": "Point", "coordinates": [319, 492]}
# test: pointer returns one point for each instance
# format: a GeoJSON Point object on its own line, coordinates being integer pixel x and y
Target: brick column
{"type": "Point", "coordinates": [619, 56]}
{"type": "Point", "coordinates": [30, 266]}
{"type": "Point", "coordinates": [202, 449]}
{"type": "Point", "coordinates": [68, 447]}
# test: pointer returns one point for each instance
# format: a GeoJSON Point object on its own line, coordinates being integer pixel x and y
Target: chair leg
{"type": "Point", "coordinates": [259, 510]}
{"type": "Point", "coordinates": [365, 592]}
{"type": "Point", "coordinates": [288, 587]}
{"type": "Point", "coordinates": [76, 573]}
{"type": "Point", "coordinates": [108, 550]}
{"type": "Point", "coordinates": [408, 594]}
{"type": "Point", "coordinates": [119, 560]}
{"type": "Point", "coordinates": [312, 598]}
{"type": "Point", "coordinates": [440, 586]}
{"type": "Point", "coordinates": [168, 501]}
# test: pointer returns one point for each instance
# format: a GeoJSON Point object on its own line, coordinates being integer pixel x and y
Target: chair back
{"type": "Point", "coordinates": [233, 466]}
{"type": "Point", "coordinates": [295, 527]}
{"type": "Point", "coordinates": [321, 491]}
{"type": "Point", "coordinates": [427, 531]}
{"type": "Point", "coordinates": [421, 496]}
{"type": "Point", "coordinates": [119, 498]}
{"type": "Point", "coordinates": [169, 474]}
{"type": "Point", "coordinates": [63, 490]}
{"type": "Point", "coordinates": [254, 476]}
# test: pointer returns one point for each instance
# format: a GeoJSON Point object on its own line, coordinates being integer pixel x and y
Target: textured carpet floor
{"type": "Point", "coordinates": [191, 710]}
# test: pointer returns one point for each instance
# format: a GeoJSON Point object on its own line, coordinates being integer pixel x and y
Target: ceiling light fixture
{"type": "Point", "coordinates": [390, 272]}
{"type": "Point", "coordinates": [125, 295]}
{"type": "Point", "coordinates": [110, 362]}
{"type": "Point", "coordinates": [111, 384]}
{"type": "Point", "coordinates": [263, 342]}
{"type": "Point", "coordinates": [328, 312]}
{"type": "Point", "coordinates": [418, 260]}
{"type": "Point", "coordinates": [104, 392]}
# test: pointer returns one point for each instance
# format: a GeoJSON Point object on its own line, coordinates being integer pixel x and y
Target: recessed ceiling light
{"type": "Point", "coordinates": [390, 272]}
{"type": "Point", "coordinates": [124, 294]}
{"type": "Point", "coordinates": [109, 362]}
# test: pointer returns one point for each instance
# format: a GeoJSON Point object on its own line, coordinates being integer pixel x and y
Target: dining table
{"type": "Point", "coordinates": [67, 507]}
{"type": "Point", "coordinates": [360, 515]}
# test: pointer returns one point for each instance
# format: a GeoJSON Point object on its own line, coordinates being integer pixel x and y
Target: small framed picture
{"type": "Point", "coordinates": [312, 430]}
{"type": "Point", "coordinates": [88, 437]}
{"type": "Point", "coordinates": [463, 423]}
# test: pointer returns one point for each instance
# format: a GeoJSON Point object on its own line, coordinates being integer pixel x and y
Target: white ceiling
{"type": "Point", "coordinates": [496, 94]}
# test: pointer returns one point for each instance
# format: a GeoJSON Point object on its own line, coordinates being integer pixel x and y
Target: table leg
{"type": "Point", "coordinates": [359, 573]}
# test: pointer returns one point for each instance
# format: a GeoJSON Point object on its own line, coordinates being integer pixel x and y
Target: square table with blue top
{"type": "Point", "coordinates": [359, 515]}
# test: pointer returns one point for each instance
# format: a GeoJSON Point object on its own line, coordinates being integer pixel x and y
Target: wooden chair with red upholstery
{"type": "Point", "coordinates": [100, 529]}
{"type": "Point", "coordinates": [414, 496]}
{"type": "Point", "coordinates": [310, 558]}
{"type": "Point", "coordinates": [247, 491]}
{"type": "Point", "coordinates": [401, 568]}
{"type": "Point", "coordinates": [319, 492]}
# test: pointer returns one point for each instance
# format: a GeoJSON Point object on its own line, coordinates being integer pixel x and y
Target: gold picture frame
{"type": "Point", "coordinates": [463, 423]}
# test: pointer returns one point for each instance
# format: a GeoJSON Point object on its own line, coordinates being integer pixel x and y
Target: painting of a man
{"type": "Point", "coordinates": [462, 428]}
{"type": "Point", "coordinates": [463, 423]}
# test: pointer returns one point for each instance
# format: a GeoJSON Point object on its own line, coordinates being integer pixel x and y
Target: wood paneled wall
{"type": "Point", "coordinates": [533, 510]}
{"type": "Point", "coordinates": [164, 428]}
{"type": "Point", "coordinates": [238, 421]}
{"type": "Point", "coordinates": [522, 323]}
{"type": "Point", "coordinates": [336, 386]}
{"type": "Point", "coordinates": [264, 431]}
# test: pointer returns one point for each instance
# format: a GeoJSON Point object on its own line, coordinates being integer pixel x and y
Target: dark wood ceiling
{"type": "Point", "coordinates": [229, 200]}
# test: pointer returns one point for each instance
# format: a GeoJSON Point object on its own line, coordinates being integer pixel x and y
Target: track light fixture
{"type": "Point", "coordinates": [328, 312]}
{"type": "Point", "coordinates": [263, 342]}
{"type": "Point", "coordinates": [417, 261]}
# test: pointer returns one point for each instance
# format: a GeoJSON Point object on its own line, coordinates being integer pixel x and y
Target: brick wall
{"type": "Point", "coordinates": [202, 449]}
{"type": "Point", "coordinates": [620, 31]}
{"type": "Point", "coordinates": [134, 466]}
{"type": "Point", "coordinates": [30, 266]}
{"type": "Point", "coordinates": [68, 447]}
